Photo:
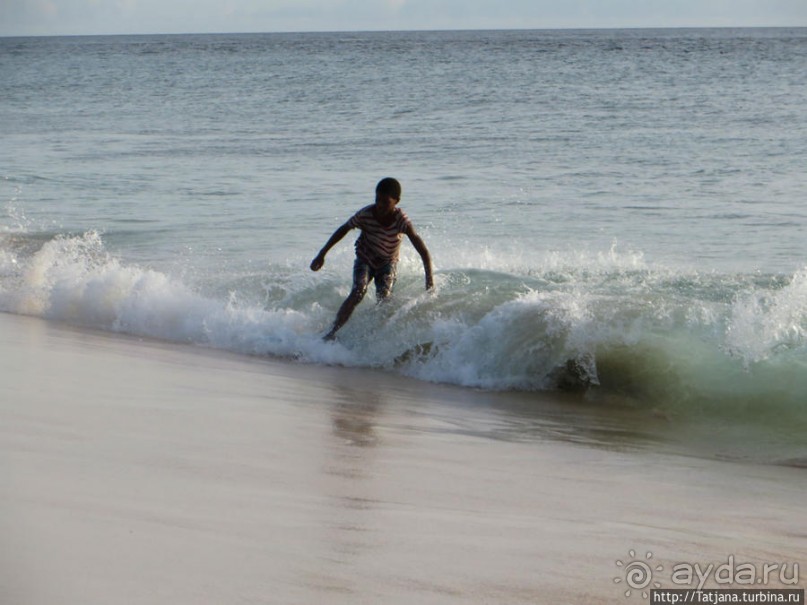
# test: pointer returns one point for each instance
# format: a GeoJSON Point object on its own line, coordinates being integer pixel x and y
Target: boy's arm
{"type": "Point", "coordinates": [319, 260]}
{"type": "Point", "coordinates": [424, 254]}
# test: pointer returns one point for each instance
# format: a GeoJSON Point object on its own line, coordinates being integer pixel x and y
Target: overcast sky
{"type": "Point", "coordinates": [53, 17]}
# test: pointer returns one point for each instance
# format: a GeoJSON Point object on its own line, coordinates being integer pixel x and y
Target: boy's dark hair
{"type": "Point", "coordinates": [389, 186]}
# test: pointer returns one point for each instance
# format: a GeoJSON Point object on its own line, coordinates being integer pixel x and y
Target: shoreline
{"type": "Point", "coordinates": [145, 472]}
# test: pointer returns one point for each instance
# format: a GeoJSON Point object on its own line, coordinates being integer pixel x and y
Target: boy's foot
{"type": "Point", "coordinates": [329, 336]}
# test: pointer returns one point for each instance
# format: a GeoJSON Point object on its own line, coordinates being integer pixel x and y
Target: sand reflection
{"type": "Point", "coordinates": [349, 531]}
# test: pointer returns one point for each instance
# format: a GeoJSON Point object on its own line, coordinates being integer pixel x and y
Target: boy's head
{"type": "Point", "coordinates": [389, 186]}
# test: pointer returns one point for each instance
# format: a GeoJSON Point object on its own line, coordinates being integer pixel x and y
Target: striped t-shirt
{"type": "Point", "coordinates": [378, 245]}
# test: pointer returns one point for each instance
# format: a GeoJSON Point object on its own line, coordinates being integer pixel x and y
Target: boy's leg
{"type": "Point", "coordinates": [361, 277]}
{"type": "Point", "coordinates": [385, 280]}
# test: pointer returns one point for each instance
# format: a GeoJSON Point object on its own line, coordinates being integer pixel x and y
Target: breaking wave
{"type": "Point", "coordinates": [608, 325]}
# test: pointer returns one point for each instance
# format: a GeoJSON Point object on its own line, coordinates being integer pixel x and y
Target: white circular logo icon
{"type": "Point", "coordinates": [638, 573]}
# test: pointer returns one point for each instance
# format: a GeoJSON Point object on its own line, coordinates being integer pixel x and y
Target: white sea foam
{"type": "Point", "coordinates": [621, 329]}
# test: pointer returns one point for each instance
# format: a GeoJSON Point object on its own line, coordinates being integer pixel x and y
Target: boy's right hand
{"type": "Point", "coordinates": [317, 263]}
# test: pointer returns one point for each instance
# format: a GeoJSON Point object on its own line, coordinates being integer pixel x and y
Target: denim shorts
{"type": "Point", "coordinates": [384, 278]}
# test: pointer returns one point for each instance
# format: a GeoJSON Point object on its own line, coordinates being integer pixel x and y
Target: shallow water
{"type": "Point", "coordinates": [219, 478]}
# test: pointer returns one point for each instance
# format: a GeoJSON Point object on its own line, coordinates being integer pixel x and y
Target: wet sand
{"type": "Point", "coordinates": [140, 472]}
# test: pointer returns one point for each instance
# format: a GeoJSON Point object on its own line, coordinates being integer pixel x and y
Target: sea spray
{"type": "Point", "coordinates": [680, 343]}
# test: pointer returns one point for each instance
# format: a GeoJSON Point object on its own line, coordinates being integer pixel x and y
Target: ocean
{"type": "Point", "coordinates": [615, 216]}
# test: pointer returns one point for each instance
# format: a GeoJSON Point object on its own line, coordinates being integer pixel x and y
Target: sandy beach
{"type": "Point", "coordinates": [141, 472]}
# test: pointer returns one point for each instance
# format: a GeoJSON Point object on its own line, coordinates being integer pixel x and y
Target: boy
{"type": "Point", "coordinates": [382, 225]}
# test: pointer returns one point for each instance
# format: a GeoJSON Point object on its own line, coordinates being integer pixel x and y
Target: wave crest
{"type": "Point", "coordinates": [618, 331]}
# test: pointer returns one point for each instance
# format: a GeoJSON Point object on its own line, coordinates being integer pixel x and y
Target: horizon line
{"type": "Point", "coordinates": [418, 30]}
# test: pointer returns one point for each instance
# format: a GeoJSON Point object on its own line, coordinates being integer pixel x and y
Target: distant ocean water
{"type": "Point", "coordinates": [616, 212]}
